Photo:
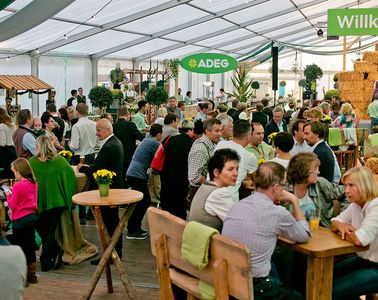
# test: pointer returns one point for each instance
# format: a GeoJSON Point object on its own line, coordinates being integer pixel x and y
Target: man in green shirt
{"type": "Point", "coordinates": [139, 117]}
{"type": "Point", "coordinates": [257, 146]}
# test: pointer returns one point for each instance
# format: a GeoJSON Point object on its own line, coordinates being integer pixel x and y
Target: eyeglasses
{"type": "Point", "coordinates": [314, 172]}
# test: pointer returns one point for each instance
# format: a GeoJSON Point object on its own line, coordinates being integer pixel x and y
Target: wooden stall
{"type": "Point", "coordinates": [16, 85]}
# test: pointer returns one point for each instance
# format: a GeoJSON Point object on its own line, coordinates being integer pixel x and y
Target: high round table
{"type": "Point", "coordinates": [116, 197]}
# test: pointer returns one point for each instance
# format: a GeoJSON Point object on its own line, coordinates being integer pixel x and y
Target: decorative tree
{"type": "Point", "coordinates": [242, 85]}
{"type": "Point", "coordinates": [100, 97]}
{"type": "Point", "coordinates": [255, 85]}
{"type": "Point", "coordinates": [155, 97]}
{"type": "Point", "coordinates": [331, 93]}
{"type": "Point", "coordinates": [312, 74]}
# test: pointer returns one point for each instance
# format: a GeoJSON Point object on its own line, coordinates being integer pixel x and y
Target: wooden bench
{"type": "Point", "coordinates": [228, 270]}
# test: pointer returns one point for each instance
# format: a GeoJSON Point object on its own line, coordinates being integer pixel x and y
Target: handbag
{"type": "Point", "coordinates": [157, 163]}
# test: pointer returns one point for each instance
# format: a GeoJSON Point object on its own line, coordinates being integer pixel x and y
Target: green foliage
{"type": "Point", "coordinates": [100, 97]}
{"type": "Point", "coordinates": [242, 85]}
{"type": "Point", "coordinates": [156, 96]}
{"type": "Point", "coordinates": [255, 85]}
{"type": "Point", "coordinates": [160, 83]}
{"type": "Point", "coordinates": [336, 77]}
{"type": "Point", "coordinates": [173, 67]}
{"type": "Point", "coordinates": [312, 72]}
{"type": "Point", "coordinates": [331, 93]}
{"type": "Point", "coordinates": [302, 83]}
{"type": "Point", "coordinates": [145, 85]}
{"type": "Point", "coordinates": [283, 83]}
{"type": "Point", "coordinates": [117, 94]}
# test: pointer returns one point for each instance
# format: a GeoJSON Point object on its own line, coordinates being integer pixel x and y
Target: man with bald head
{"type": "Point", "coordinates": [110, 158]}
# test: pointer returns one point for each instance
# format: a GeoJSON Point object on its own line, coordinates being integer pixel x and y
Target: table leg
{"type": "Point", "coordinates": [319, 278]}
{"type": "Point", "coordinates": [117, 262]}
{"type": "Point", "coordinates": [109, 250]}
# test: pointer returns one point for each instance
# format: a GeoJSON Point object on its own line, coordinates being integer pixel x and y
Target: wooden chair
{"type": "Point", "coordinates": [229, 268]}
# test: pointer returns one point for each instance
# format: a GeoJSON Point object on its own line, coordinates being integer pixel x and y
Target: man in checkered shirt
{"type": "Point", "coordinates": [199, 155]}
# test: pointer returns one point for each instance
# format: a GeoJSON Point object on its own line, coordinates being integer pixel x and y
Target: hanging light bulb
{"type": "Point", "coordinates": [36, 51]}
{"type": "Point", "coordinates": [8, 58]}
{"type": "Point", "coordinates": [65, 36]}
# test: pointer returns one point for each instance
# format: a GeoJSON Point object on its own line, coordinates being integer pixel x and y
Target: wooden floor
{"type": "Point", "coordinates": [70, 281]}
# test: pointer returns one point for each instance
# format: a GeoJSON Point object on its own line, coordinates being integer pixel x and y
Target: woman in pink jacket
{"type": "Point", "coordinates": [22, 203]}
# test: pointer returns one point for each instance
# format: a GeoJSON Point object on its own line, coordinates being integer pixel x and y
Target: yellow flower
{"type": "Point", "coordinates": [104, 176]}
{"type": "Point", "coordinates": [272, 135]}
{"type": "Point", "coordinates": [261, 161]}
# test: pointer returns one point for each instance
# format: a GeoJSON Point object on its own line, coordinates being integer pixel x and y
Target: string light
{"type": "Point", "coordinates": [36, 51]}
{"type": "Point", "coordinates": [65, 36]}
{"type": "Point", "coordinates": [8, 58]}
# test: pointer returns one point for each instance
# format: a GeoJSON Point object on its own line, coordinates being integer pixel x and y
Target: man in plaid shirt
{"type": "Point", "coordinates": [199, 155]}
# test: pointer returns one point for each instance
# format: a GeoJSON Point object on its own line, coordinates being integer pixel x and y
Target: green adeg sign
{"type": "Point", "coordinates": [209, 63]}
{"type": "Point", "coordinates": [359, 21]}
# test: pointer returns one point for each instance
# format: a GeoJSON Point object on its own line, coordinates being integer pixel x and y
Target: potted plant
{"type": "Point", "coordinates": [242, 85]}
{"type": "Point", "coordinates": [312, 74]}
{"type": "Point", "coordinates": [331, 93]}
{"type": "Point", "coordinates": [100, 97]}
{"type": "Point", "coordinates": [104, 179]}
{"type": "Point", "coordinates": [283, 83]}
{"type": "Point", "coordinates": [155, 97]}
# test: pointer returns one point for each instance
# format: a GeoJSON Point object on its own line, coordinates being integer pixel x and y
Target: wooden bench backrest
{"type": "Point", "coordinates": [163, 225]}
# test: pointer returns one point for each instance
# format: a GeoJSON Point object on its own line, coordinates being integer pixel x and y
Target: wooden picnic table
{"type": "Point", "coordinates": [321, 249]}
{"type": "Point", "coordinates": [116, 197]}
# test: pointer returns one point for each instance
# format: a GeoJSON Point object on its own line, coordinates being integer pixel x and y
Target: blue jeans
{"type": "Point", "coordinates": [353, 277]}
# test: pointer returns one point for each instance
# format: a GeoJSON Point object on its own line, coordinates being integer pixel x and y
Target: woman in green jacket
{"type": "Point", "coordinates": [56, 185]}
{"type": "Point", "coordinates": [312, 191]}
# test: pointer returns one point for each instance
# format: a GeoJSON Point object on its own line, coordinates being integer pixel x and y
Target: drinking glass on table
{"type": "Point", "coordinates": [314, 219]}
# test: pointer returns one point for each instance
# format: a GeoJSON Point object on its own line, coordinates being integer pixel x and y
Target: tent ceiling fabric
{"type": "Point", "coordinates": [164, 29]}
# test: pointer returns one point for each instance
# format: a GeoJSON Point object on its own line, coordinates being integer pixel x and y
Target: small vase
{"type": "Point", "coordinates": [104, 190]}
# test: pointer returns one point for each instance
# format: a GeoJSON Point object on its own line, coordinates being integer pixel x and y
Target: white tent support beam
{"type": "Point", "coordinates": [228, 29]}
{"type": "Point", "coordinates": [34, 64]}
{"type": "Point", "coordinates": [94, 72]}
{"type": "Point", "coordinates": [111, 25]}
{"type": "Point", "coordinates": [33, 14]}
{"type": "Point", "coordinates": [162, 33]}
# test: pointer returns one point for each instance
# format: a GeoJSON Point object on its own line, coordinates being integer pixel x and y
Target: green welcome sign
{"type": "Point", "coordinates": [209, 63]}
{"type": "Point", "coordinates": [359, 21]}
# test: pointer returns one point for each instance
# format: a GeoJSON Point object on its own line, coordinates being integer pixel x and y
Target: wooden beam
{"type": "Point", "coordinates": [344, 54]}
{"type": "Point", "coordinates": [352, 43]}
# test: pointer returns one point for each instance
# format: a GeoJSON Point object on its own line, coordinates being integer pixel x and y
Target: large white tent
{"type": "Point", "coordinates": [69, 43]}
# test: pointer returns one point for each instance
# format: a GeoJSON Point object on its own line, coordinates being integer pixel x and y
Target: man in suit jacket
{"type": "Point", "coordinates": [277, 124]}
{"type": "Point", "coordinates": [127, 133]}
{"type": "Point", "coordinates": [110, 158]}
{"type": "Point", "coordinates": [314, 133]}
{"type": "Point", "coordinates": [259, 116]}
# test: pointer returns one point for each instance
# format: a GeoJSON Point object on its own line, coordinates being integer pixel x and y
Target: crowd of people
{"type": "Point", "coordinates": [254, 176]}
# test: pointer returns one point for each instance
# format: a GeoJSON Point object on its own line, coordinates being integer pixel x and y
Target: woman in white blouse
{"type": "Point", "coordinates": [7, 150]}
{"type": "Point", "coordinates": [358, 224]}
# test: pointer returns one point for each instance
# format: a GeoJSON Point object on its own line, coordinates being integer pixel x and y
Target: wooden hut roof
{"type": "Point", "coordinates": [23, 82]}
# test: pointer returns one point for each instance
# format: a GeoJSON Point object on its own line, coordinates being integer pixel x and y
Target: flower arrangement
{"type": "Point", "coordinates": [327, 120]}
{"type": "Point", "coordinates": [261, 161]}
{"type": "Point", "coordinates": [272, 135]}
{"type": "Point", "coordinates": [66, 154]}
{"type": "Point", "coordinates": [104, 176]}
{"type": "Point", "coordinates": [188, 119]}
{"type": "Point", "coordinates": [133, 109]}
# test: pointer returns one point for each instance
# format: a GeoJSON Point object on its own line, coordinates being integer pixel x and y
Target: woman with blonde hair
{"type": "Point", "coordinates": [358, 275]}
{"type": "Point", "coordinates": [56, 186]}
{"type": "Point", "coordinates": [7, 149]}
{"type": "Point", "coordinates": [161, 114]}
{"type": "Point", "coordinates": [347, 118]}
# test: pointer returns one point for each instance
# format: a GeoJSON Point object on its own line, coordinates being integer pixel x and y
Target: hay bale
{"type": "Point", "coordinates": [373, 76]}
{"type": "Point", "coordinates": [370, 56]}
{"type": "Point", "coordinates": [376, 47]}
{"type": "Point", "coordinates": [365, 66]}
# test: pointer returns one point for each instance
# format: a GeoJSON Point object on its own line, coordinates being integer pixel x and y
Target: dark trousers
{"type": "Point", "coordinates": [111, 220]}
{"type": "Point", "coordinates": [24, 236]}
{"type": "Point", "coordinates": [354, 277]}
{"type": "Point", "coordinates": [135, 222]}
{"type": "Point", "coordinates": [46, 225]}
{"type": "Point", "coordinates": [272, 289]}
